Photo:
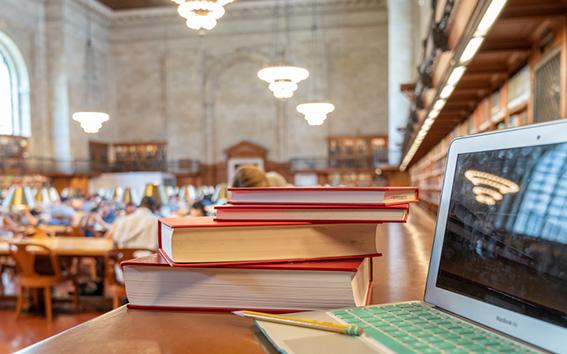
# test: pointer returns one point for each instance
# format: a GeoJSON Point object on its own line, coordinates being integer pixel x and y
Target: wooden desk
{"type": "Point", "coordinates": [139, 331]}
{"type": "Point", "coordinates": [398, 276]}
{"type": "Point", "coordinates": [69, 246]}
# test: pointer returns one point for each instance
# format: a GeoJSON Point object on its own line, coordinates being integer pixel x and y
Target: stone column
{"type": "Point", "coordinates": [57, 82]}
{"type": "Point", "coordinates": [401, 68]}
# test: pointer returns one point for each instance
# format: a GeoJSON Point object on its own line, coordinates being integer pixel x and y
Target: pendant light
{"type": "Point", "coordinates": [91, 120]}
{"type": "Point", "coordinates": [18, 198]}
{"type": "Point", "coordinates": [283, 78]}
{"type": "Point", "coordinates": [316, 110]}
{"type": "Point", "coordinates": [201, 14]}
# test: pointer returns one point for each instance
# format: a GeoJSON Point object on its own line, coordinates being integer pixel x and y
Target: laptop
{"type": "Point", "coordinates": [497, 279]}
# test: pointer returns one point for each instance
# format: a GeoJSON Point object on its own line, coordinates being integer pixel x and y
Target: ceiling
{"type": "Point", "coordinates": [135, 4]}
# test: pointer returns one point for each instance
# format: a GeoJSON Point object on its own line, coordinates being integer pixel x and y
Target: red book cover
{"type": "Point", "coordinates": [260, 264]}
{"type": "Point", "coordinates": [325, 195]}
{"type": "Point", "coordinates": [314, 213]}
{"type": "Point", "coordinates": [346, 265]}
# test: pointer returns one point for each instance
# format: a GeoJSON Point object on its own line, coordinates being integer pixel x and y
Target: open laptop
{"type": "Point", "coordinates": [497, 279]}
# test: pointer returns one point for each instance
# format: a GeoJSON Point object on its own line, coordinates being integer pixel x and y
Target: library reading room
{"type": "Point", "coordinates": [283, 176]}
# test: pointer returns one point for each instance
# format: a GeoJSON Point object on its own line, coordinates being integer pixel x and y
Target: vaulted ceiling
{"type": "Point", "coordinates": [135, 4]}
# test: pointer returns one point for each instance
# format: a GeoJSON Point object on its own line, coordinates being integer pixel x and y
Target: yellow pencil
{"type": "Point", "coordinates": [351, 330]}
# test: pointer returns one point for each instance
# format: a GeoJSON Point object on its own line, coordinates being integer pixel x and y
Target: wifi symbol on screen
{"type": "Point", "coordinates": [488, 188]}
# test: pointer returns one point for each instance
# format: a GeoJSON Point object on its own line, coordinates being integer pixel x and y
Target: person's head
{"type": "Point", "coordinates": [150, 204]}
{"type": "Point", "coordinates": [130, 208]}
{"type": "Point", "coordinates": [275, 179]}
{"type": "Point", "coordinates": [249, 176]}
{"type": "Point", "coordinates": [198, 209]}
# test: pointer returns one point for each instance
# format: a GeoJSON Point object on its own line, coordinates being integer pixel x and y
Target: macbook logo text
{"type": "Point", "coordinates": [506, 321]}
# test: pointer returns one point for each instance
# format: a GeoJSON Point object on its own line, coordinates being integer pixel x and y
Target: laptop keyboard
{"type": "Point", "coordinates": [415, 328]}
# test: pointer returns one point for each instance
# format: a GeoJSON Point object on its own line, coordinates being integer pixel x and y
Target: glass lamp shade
{"type": "Point", "coordinates": [18, 198]}
{"type": "Point", "coordinates": [187, 194]}
{"type": "Point", "coordinates": [117, 194]}
{"type": "Point", "coordinates": [129, 197]}
{"type": "Point", "coordinates": [316, 112]}
{"type": "Point", "coordinates": [91, 122]}
{"type": "Point", "coordinates": [283, 80]}
{"type": "Point", "coordinates": [54, 195]}
{"type": "Point", "coordinates": [157, 192]}
{"type": "Point", "coordinates": [42, 196]}
{"type": "Point", "coordinates": [201, 14]}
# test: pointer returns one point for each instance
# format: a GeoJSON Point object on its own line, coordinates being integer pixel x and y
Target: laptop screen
{"type": "Point", "coordinates": [506, 235]}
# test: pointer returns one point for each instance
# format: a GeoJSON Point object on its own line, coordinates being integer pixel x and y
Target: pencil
{"type": "Point", "coordinates": [351, 330]}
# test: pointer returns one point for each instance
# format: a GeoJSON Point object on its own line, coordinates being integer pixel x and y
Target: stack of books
{"type": "Point", "coordinates": [270, 249]}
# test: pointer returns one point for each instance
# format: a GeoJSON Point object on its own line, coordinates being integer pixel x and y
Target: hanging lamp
{"type": "Point", "coordinates": [315, 111]}
{"type": "Point", "coordinates": [90, 119]}
{"type": "Point", "coordinates": [201, 14]}
{"type": "Point", "coordinates": [283, 78]}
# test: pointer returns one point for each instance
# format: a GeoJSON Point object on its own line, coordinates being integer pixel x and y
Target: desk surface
{"type": "Point", "coordinates": [398, 276]}
{"type": "Point", "coordinates": [69, 246]}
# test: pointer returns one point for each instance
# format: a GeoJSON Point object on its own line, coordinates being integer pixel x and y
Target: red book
{"type": "Point", "coordinates": [313, 213]}
{"type": "Point", "coordinates": [204, 240]}
{"type": "Point", "coordinates": [325, 195]}
{"type": "Point", "coordinates": [279, 287]}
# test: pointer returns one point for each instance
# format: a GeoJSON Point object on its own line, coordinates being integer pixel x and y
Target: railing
{"type": "Point", "coordinates": [49, 166]}
{"type": "Point", "coordinates": [321, 163]}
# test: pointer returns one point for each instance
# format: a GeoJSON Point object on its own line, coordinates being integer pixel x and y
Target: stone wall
{"type": "Point", "coordinates": [161, 81]}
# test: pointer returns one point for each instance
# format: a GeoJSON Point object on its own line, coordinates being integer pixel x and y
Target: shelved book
{"type": "Point", "coordinates": [313, 213]}
{"type": "Point", "coordinates": [152, 283]}
{"type": "Point", "coordinates": [324, 195]}
{"type": "Point", "coordinates": [204, 240]}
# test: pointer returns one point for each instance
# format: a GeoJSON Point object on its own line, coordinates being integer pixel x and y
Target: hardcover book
{"type": "Point", "coordinates": [204, 240]}
{"type": "Point", "coordinates": [281, 287]}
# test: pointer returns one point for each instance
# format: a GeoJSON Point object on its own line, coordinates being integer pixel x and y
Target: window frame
{"type": "Point", "coordinates": [19, 82]}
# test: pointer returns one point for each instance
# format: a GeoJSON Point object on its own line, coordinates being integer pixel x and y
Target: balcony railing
{"type": "Point", "coordinates": [49, 166]}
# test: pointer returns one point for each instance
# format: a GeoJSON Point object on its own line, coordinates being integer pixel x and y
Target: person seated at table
{"type": "Point", "coordinates": [107, 211]}
{"type": "Point", "coordinates": [130, 208]}
{"type": "Point", "coordinates": [92, 223]}
{"type": "Point", "coordinates": [139, 229]}
{"type": "Point", "coordinates": [62, 213]}
{"type": "Point", "coordinates": [249, 176]}
{"type": "Point", "coordinates": [198, 209]}
{"type": "Point", "coordinates": [275, 179]}
{"type": "Point", "coordinates": [8, 227]}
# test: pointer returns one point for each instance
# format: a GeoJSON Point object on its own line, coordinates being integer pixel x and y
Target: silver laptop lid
{"type": "Point", "coordinates": [500, 250]}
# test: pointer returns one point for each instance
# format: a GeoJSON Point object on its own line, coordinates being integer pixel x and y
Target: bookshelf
{"type": "Point", "coordinates": [357, 152]}
{"type": "Point", "coordinates": [506, 107]}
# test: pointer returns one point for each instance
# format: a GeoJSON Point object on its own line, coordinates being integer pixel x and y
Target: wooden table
{"type": "Point", "coordinates": [68, 246]}
{"type": "Point", "coordinates": [398, 276]}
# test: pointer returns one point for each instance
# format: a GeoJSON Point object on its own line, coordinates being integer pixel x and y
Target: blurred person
{"type": "Point", "coordinates": [108, 212]}
{"type": "Point", "coordinates": [275, 179]}
{"type": "Point", "coordinates": [198, 209]}
{"type": "Point", "coordinates": [62, 213]}
{"type": "Point", "coordinates": [249, 176]}
{"type": "Point", "coordinates": [130, 208]}
{"type": "Point", "coordinates": [8, 227]}
{"type": "Point", "coordinates": [93, 223]}
{"type": "Point", "coordinates": [140, 228]}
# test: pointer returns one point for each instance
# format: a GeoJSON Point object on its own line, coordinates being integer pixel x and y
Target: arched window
{"type": "Point", "coordinates": [14, 90]}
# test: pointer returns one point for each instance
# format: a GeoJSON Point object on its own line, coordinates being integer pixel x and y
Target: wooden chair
{"type": "Point", "coordinates": [26, 256]}
{"type": "Point", "coordinates": [114, 285]}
